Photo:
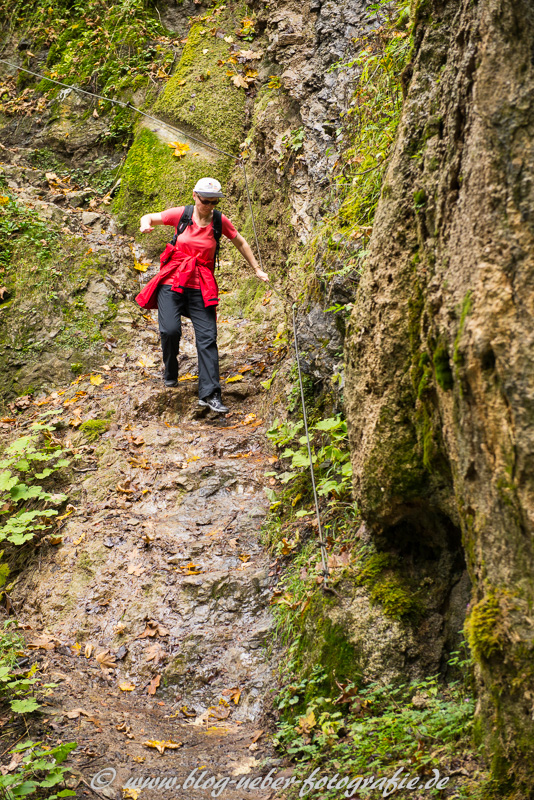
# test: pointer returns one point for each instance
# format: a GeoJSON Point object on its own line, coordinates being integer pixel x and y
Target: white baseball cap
{"type": "Point", "coordinates": [208, 187]}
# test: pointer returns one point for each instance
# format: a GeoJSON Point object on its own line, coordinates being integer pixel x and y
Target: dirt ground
{"type": "Point", "coordinates": [149, 604]}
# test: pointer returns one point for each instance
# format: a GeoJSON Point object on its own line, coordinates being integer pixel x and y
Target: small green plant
{"type": "Point", "coordinates": [18, 687]}
{"type": "Point", "coordinates": [40, 771]}
{"type": "Point", "coordinates": [363, 141]}
{"type": "Point", "coordinates": [274, 82]}
{"type": "Point", "coordinates": [21, 227]}
{"type": "Point", "coordinates": [331, 459]}
{"type": "Point", "coordinates": [26, 466]}
{"type": "Point", "coordinates": [294, 140]}
{"type": "Point", "coordinates": [375, 729]}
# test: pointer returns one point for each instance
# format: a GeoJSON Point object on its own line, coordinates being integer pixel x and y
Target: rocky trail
{"type": "Point", "coordinates": [148, 605]}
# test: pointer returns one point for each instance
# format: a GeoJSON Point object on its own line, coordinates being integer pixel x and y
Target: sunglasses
{"type": "Point", "coordinates": [208, 202]}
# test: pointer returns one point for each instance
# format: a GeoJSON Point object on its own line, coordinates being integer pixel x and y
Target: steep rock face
{"type": "Point", "coordinates": [439, 351]}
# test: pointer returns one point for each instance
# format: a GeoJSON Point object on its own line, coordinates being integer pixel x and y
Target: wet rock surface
{"type": "Point", "coordinates": [159, 584]}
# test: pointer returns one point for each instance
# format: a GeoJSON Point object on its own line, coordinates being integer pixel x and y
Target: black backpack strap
{"type": "Point", "coordinates": [185, 220]}
{"type": "Point", "coordinates": [217, 232]}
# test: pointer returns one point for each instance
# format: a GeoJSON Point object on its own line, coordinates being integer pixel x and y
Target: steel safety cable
{"type": "Point", "coordinates": [124, 105]}
{"type": "Point", "coordinates": [321, 542]}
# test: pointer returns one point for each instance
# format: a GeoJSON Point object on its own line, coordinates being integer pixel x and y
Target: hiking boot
{"type": "Point", "coordinates": [214, 402]}
{"type": "Point", "coordinates": [171, 382]}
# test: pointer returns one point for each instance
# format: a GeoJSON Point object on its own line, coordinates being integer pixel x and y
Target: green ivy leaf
{"type": "Point", "coordinates": [25, 706]}
{"type": "Point", "coordinates": [23, 492]}
{"type": "Point", "coordinates": [7, 480]}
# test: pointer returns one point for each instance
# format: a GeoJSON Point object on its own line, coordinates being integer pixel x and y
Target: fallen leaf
{"type": "Point", "coordinates": [154, 653]}
{"type": "Point", "coordinates": [96, 115]}
{"type": "Point", "coordinates": [250, 55]}
{"type": "Point", "coordinates": [13, 764]}
{"type": "Point", "coordinates": [234, 694]}
{"type": "Point", "coordinates": [88, 652]}
{"type": "Point", "coordinates": [239, 81]}
{"type": "Point", "coordinates": [234, 379]}
{"type": "Point", "coordinates": [76, 712]}
{"type": "Point", "coordinates": [162, 746]}
{"type": "Point", "coordinates": [130, 793]}
{"type": "Point", "coordinates": [126, 686]}
{"type": "Point", "coordinates": [188, 377]}
{"type": "Point", "coordinates": [153, 629]}
{"type": "Point", "coordinates": [154, 683]}
{"type": "Point", "coordinates": [136, 569]}
{"type": "Point", "coordinates": [146, 361]}
{"type": "Point", "coordinates": [306, 723]}
{"type": "Point", "coordinates": [191, 569]}
{"type": "Point", "coordinates": [43, 643]}
{"type": "Point", "coordinates": [244, 557]}
{"type": "Point", "coordinates": [125, 487]}
{"type": "Point", "coordinates": [106, 660]}
{"type": "Point", "coordinates": [256, 736]}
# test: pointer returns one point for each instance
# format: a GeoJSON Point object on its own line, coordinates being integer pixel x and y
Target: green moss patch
{"type": "Point", "coordinates": [201, 100]}
{"type": "Point", "coordinates": [94, 428]}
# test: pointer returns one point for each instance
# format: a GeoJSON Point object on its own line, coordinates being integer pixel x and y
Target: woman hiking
{"type": "Point", "coordinates": [186, 285]}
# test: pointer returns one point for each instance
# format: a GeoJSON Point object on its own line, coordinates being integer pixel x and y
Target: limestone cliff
{"type": "Point", "coordinates": [439, 356]}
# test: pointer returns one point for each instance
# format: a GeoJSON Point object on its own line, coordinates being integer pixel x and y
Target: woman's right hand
{"type": "Point", "coordinates": [145, 224]}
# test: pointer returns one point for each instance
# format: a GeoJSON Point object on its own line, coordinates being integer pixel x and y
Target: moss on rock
{"type": "Point", "coordinates": [94, 428]}
{"type": "Point", "coordinates": [201, 100]}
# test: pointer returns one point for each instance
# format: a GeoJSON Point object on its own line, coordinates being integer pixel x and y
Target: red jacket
{"type": "Point", "coordinates": [184, 265]}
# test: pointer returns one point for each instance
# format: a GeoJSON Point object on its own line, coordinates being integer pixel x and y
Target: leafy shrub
{"type": "Point", "coordinates": [25, 503]}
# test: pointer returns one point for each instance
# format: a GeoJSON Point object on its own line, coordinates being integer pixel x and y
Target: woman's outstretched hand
{"type": "Point", "coordinates": [261, 275]}
{"type": "Point", "coordinates": [145, 225]}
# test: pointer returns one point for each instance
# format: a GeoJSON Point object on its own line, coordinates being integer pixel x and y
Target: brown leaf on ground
{"type": "Point", "coordinates": [88, 652]}
{"type": "Point", "coordinates": [136, 569]}
{"type": "Point", "coordinates": [239, 81]}
{"type": "Point", "coordinates": [153, 629]}
{"type": "Point", "coordinates": [154, 653]}
{"type": "Point", "coordinates": [162, 746]}
{"type": "Point", "coordinates": [126, 686]}
{"type": "Point", "coordinates": [154, 683]}
{"type": "Point", "coordinates": [191, 569]}
{"type": "Point", "coordinates": [43, 642]}
{"type": "Point", "coordinates": [106, 660]}
{"type": "Point", "coordinates": [250, 55]}
{"type": "Point", "coordinates": [13, 764]}
{"type": "Point", "coordinates": [234, 694]}
{"type": "Point", "coordinates": [77, 712]}
{"type": "Point", "coordinates": [256, 736]}
{"type": "Point", "coordinates": [125, 487]}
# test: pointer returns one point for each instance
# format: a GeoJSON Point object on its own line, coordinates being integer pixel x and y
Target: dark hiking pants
{"type": "Point", "coordinates": [171, 306]}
